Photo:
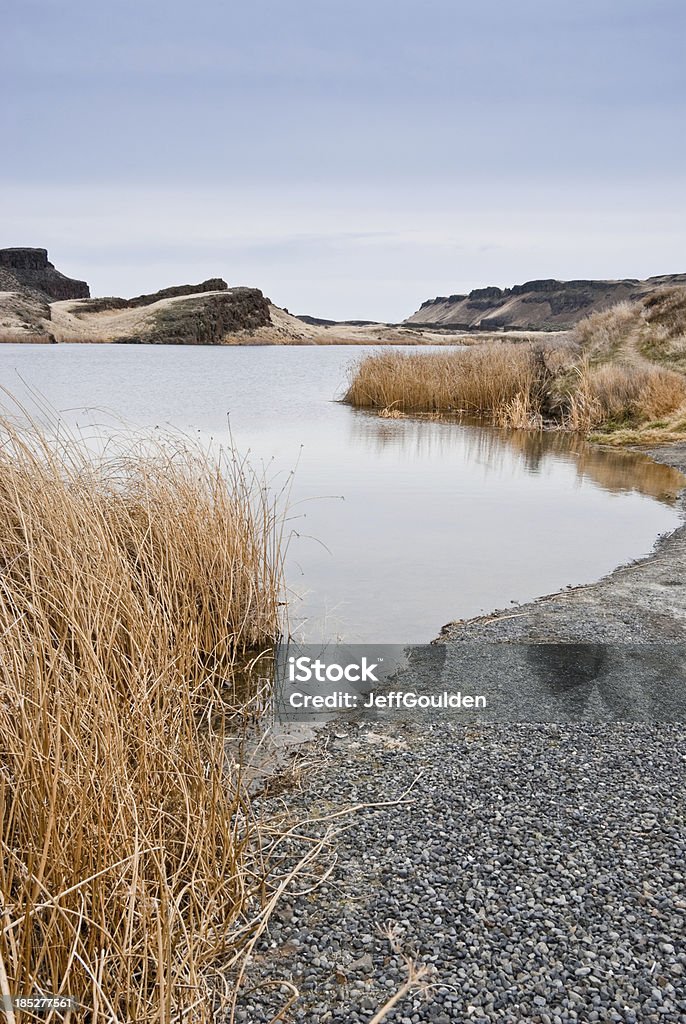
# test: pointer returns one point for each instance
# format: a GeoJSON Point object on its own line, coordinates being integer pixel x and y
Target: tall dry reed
{"type": "Point", "coordinates": [128, 587]}
{"type": "Point", "coordinates": [499, 381]}
{"type": "Point", "coordinates": [517, 385]}
{"type": "Point", "coordinates": [9, 336]}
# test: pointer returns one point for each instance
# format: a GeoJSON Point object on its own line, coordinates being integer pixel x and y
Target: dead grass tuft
{"type": "Point", "coordinates": [613, 395]}
{"type": "Point", "coordinates": [128, 588]}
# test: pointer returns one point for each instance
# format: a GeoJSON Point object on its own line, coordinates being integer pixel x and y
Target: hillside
{"type": "Point", "coordinates": [187, 315]}
{"type": "Point", "coordinates": [231, 316]}
{"type": "Point", "coordinates": [39, 304]}
{"type": "Point", "coordinates": [652, 330]}
{"type": "Point", "coordinates": [546, 305]}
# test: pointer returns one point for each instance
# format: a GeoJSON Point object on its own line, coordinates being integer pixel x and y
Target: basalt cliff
{"type": "Point", "coordinates": [546, 305]}
{"type": "Point", "coordinates": [30, 269]}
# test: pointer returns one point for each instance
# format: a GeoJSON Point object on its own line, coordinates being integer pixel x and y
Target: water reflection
{"type": "Point", "coordinates": [616, 471]}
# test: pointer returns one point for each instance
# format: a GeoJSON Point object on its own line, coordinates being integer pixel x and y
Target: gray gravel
{"type": "Point", "coordinates": [539, 870]}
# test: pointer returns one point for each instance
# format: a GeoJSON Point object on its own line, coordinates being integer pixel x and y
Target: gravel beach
{"type": "Point", "coordinates": [537, 871]}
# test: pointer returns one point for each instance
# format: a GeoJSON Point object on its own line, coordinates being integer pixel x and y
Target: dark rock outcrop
{"type": "Point", "coordinates": [30, 268]}
{"type": "Point", "coordinates": [213, 284]}
{"type": "Point", "coordinates": [318, 321]}
{"type": "Point", "coordinates": [535, 305]}
{"type": "Point", "coordinates": [204, 320]}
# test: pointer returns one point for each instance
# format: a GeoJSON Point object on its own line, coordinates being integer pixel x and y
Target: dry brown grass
{"type": "Point", "coordinates": [521, 386]}
{"type": "Point", "coordinates": [629, 385]}
{"type": "Point", "coordinates": [615, 395]}
{"type": "Point", "coordinates": [666, 308]}
{"type": "Point", "coordinates": [663, 338]}
{"type": "Point", "coordinates": [653, 329]}
{"type": "Point", "coordinates": [500, 381]}
{"type": "Point", "coordinates": [8, 336]}
{"type": "Point", "coordinates": [601, 335]}
{"type": "Point", "coordinates": [128, 588]}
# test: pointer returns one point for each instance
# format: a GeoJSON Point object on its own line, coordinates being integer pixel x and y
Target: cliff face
{"type": "Point", "coordinates": [174, 316]}
{"type": "Point", "coordinates": [30, 268]}
{"type": "Point", "coordinates": [204, 319]}
{"type": "Point", "coordinates": [535, 305]}
{"type": "Point", "coordinates": [38, 303]}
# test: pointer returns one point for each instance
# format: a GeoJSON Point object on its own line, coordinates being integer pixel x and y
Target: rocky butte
{"type": "Point", "coordinates": [39, 304]}
{"type": "Point", "coordinates": [30, 268]}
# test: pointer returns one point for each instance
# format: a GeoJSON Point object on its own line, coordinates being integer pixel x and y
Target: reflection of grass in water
{"type": "Point", "coordinates": [129, 587]}
{"type": "Point", "coordinates": [612, 469]}
{"type": "Point", "coordinates": [616, 470]}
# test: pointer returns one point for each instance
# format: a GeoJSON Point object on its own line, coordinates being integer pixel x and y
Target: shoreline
{"type": "Point", "coordinates": [643, 601]}
{"type": "Point", "coordinates": [534, 870]}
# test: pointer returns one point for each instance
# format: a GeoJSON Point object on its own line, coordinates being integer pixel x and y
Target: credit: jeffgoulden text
{"type": "Point", "coordinates": [344, 700]}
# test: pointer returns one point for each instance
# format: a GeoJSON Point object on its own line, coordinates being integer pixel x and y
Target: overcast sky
{"type": "Point", "coordinates": [350, 157]}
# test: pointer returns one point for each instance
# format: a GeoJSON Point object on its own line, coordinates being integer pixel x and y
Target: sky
{"type": "Point", "coordinates": [351, 158]}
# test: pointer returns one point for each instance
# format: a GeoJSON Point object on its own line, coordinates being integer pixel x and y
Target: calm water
{"type": "Point", "coordinates": [397, 526]}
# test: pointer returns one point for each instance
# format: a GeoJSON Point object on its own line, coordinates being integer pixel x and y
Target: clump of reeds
{"type": "Point", "coordinates": [8, 336]}
{"type": "Point", "coordinates": [521, 386]}
{"type": "Point", "coordinates": [128, 587]}
{"type": "Point", "coordinates": [500, 381]}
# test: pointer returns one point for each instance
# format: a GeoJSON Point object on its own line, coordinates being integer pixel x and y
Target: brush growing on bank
{"type": "Point", "coordinates": [129, 586]}
{"type": "Point", "coordinates": [640, 348]}
{"type": "Point", "coordinates": [517, 385]}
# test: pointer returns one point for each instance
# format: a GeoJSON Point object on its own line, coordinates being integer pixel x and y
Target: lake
{"type": "Point", "coordinates": [395, 526]}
